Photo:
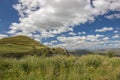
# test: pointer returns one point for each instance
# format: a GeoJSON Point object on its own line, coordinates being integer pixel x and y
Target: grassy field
{"type": "Point", "coordinates": [89, 67]}
{"type": "Point", "coordinates": [22, 58]}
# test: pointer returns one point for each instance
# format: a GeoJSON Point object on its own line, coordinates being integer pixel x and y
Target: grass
{"type": "Point", "coordinates": [18, 51]}
{"type": "Point", "coordinates": [89, 67]}
{"type": "Point", "coordinates": [27, 61]}
{"type": "Point", "coordinates": [12, 48]}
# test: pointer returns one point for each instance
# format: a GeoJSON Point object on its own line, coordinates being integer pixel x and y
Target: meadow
{"type": "Point", "coordinates": [22, 58]}
{"type": "Point", "coordinates": [60, 67]}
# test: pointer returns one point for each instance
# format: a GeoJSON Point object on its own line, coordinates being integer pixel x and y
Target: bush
{"type": "Point", "coordinates": [110, 54]}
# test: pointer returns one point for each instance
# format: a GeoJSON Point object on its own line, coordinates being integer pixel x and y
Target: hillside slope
{"type": "Point", "coordinates": [19, 40]}
{"type": "Point", "coordinates": [19, 46]}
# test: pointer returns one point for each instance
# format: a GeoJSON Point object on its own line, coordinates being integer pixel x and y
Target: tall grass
{"type": "Point", "coordinates": [90, 67]}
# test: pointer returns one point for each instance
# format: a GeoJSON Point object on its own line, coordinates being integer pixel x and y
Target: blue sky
{"type": "Point", "coordinates": [73, 24]}
{"type": "Point", "coordinates": [8, 14]}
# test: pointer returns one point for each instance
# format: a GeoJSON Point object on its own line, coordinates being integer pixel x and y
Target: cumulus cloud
{"type": "Point", "coordinates": [48, 18]}
{"type": "Point", "coordinates": [104, 5]}
{"type": "Point", "coordinates": [113, 16]}
{"type": "Point", "coordinates": [81, 32]}
{"type": "Point", "coordinates": [80, 41]}
{"type": "Point", "coordinates": [72, 33]}
{"type": "Point", "coordinates": [105, 38]}
{"type": "Point", "coordinates": [58, 15]}
{"type": "Point", "coordinates": [116, 36]}
{"type": "Point", "coordinates": [50, 15]}
{"type": "Point", "coordinates": [87, 42]}
{"type": "Point", "coordinates": [3, 36]}
{"type": "Point", "coordinates": [104, 29]}
{"type": "Point", "coordinates": [116, 31]}
{"type": "Point", "coordinates": [51, 43]}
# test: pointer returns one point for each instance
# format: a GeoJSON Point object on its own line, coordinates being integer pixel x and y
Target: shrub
{"type": "Point", "coordinates": [110, 54]}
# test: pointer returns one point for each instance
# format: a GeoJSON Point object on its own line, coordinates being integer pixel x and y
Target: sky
{"type": "Point", "coordinates": [72, 24]}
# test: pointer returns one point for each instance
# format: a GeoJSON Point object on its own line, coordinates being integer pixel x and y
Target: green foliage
{"type": "Point", "coordinates": [95, 62]}
{"type": "Point", "coordinates": [34, 48]}
{"type": "Point", "coordinates": [48, 51]}
{"type": "Point", "coordinates": [59, 51]}
{"type": "Point", "coordinates": [110, 54]}
{"type": "Point", "coordinates": [89, 67]}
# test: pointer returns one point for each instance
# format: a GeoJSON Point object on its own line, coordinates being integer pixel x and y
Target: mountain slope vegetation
{"type": "Point", "coordinates": [23, 45]}
{"type": "Point", "coordinates": [20, 40]}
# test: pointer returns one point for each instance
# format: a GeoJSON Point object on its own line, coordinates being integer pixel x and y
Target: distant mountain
{"type": "Point", "coordinates": [80, 52]}
{"type": "Point", "coordinates": [103, 51]}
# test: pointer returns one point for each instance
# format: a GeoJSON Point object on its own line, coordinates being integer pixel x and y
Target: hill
{"type": "Point", "coordinates": [79, 52]}
{"type": "Point", "coordinates": [116, 51]}
{"type": "Point", "coordinates": [20, 40]}
{"type": "Point", "coordinates": [19, 46]}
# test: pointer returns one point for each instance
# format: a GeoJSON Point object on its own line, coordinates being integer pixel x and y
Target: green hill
{"type": "Point", "coordinates": [18, 46]}
{"type": "Point", "coordinates": [20, 40]}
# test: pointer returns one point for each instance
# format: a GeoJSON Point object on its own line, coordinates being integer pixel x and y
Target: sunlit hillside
{"type": "Point", "coordinates": [19, 46]}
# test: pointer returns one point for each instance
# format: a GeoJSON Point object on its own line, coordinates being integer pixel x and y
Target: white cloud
{"type": "Point", "coordinates": [116, 36]}
{"type": "Point", "coordinates": [115, 31]}
{"type": "Point", "coordinates": [105, 38]}
{"type": "Point", "coordinates": [57, 15]}
{"type": "Point", "coordinates": [51, 43]}
{"type": "Point", "coordinates": [48, 18]}
{"type": "Point", "coordinates": [3, 36]}
{"type": "Point", "coordinates": [104, 29]}
{"type": "Point", "coordinates": [81, 32]}
{"type": "Point", "coordinates": [70, 39]}
{"type": "Point", "coordinates": [80, 41]}
{"type": "Point", "coordinates": [87, 42]}
{"type": "Point", "coordinates": [113, 16]}
{"type": "Point", "coordinates": [104, 5]}
{"type": "Point", "coordinates": [72, 33]}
